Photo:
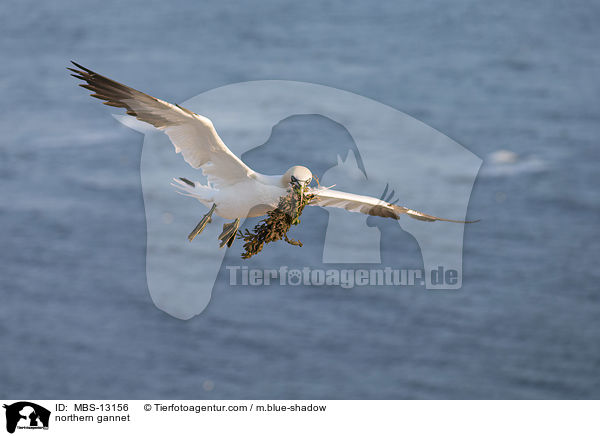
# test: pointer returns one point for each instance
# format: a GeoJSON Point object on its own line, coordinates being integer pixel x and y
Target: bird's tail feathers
{"type": "Point", "coordinates": [203, 193]}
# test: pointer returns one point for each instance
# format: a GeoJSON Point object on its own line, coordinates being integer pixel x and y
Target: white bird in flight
{"type": "Point", "coordinates": [233, 190]}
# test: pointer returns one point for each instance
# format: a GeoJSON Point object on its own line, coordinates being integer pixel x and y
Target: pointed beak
{"type": "Point", "coordinates": [300, 185]}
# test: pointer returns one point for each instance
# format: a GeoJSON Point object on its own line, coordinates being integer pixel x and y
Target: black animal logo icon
{"type": "Point", "coordinates": [26, 414]}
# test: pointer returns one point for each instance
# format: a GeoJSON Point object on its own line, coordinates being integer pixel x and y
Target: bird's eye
{"type": "Point", "coordinates": [308, 181]}
{"type": "Point", "coordinates": [294, 180]}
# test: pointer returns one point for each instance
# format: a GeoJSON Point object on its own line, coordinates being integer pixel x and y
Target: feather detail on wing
{"type": "Point", "coordinates": [193, 135]}
{"type": "Point", "coordinates": [326, 197]}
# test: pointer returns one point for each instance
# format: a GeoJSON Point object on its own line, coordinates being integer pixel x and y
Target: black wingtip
{"type": "Point", "coordinates": [189, 182]}
{"type": "Point", "coordinates": [458, 222]}
{"type": "Point", "coordinates": [80, 66]}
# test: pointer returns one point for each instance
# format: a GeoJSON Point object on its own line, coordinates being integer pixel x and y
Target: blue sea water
{"type": "Point", "coordinates": [76, 319]}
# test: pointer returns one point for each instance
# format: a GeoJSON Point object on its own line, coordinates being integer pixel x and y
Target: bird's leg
{"type": "Point", "coordinates": [229, 232]}
{"type": "Point", "coordinates": [202, 224]}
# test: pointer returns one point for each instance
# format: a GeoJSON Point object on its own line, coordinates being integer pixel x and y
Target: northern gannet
{"type": "Point", "coordinates": [233, 190]}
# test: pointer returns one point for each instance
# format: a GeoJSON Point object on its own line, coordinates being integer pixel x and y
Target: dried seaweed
{"type": "Point", "coordinates": [277, 224]}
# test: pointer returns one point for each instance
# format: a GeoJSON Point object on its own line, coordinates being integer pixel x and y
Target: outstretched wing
{"type": "Point", "coordinates": [193, 135]}
{"type": "Point", "coordinates": [369, 205]}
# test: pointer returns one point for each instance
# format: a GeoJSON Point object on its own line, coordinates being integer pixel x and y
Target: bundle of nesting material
{"type": "Point", "coordinates": [277, 224]}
